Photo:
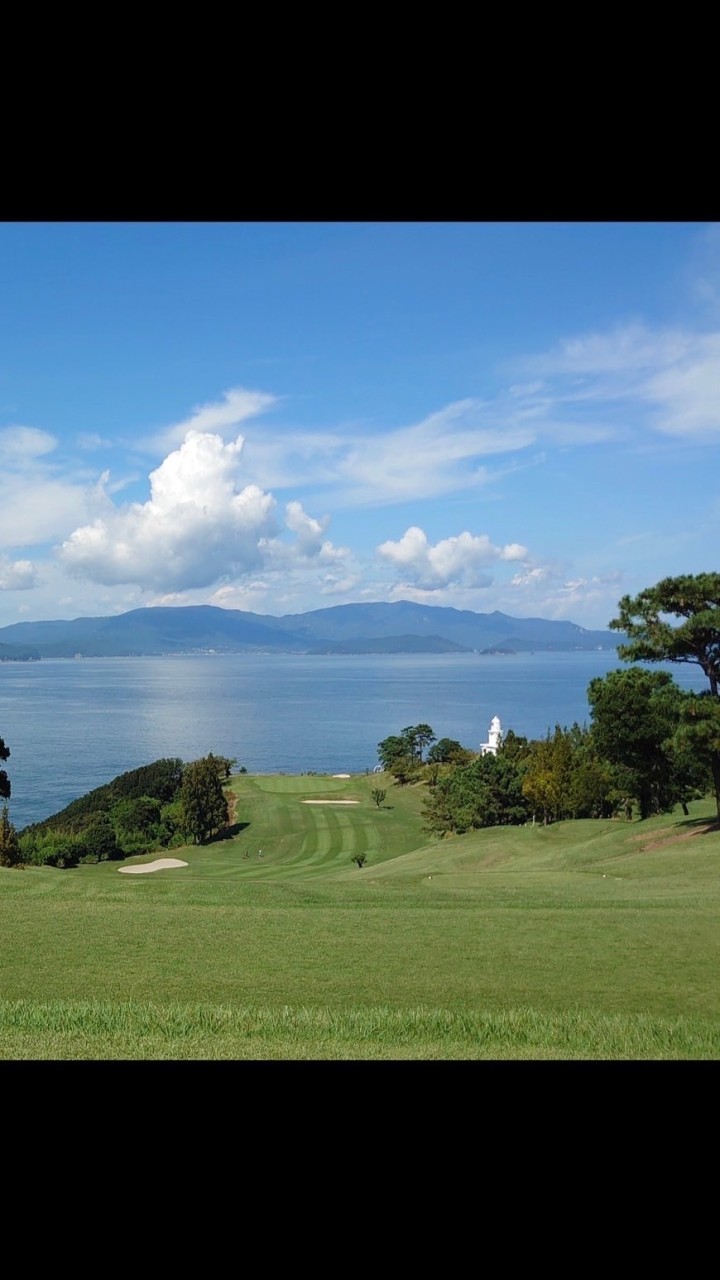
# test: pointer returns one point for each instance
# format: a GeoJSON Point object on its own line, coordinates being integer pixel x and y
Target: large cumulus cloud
{"type": "Point", "coordinates": [197, 527]}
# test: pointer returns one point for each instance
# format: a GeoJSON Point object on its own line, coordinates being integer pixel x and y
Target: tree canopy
{"type": "Point", "coordinates": [402, 753]}
{"type": "Point", "coordinates": [485, 793]}
{"type": "Point", "coordinates": [635, 714]}
{"type": "Point", "coordinates": [10, 855]}
{"type": "Point", "coordinates": [693, 600]}
{"type": "Point", "coordinates": [203, 801]}
{"type": "Point", "coordinates": [448, 751]}
{"type": "Point", "coordinates": [131, 814]}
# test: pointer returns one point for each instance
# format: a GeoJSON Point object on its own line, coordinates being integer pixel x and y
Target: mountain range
{"type": "Point", "coordinates": [403, 627]}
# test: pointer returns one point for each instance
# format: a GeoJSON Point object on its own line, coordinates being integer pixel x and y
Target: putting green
{"type": "Point", "coordinates": [311, 784]}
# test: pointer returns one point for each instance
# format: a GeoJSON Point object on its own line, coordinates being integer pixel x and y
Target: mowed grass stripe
{"type": "Point", "coordinates": [318, 838]}
{"type": "Point", "coordinates": [348, 831]}
{"type": "Point", "coordinates": [327, 847]}
{"type": "Point", "coordinates": [334, 836]}
{"type": "Point", "coordinates": [342, 839]}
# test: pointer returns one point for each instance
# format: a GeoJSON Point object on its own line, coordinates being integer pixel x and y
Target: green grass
{"type": "Point", "coordinates": [579, 940]}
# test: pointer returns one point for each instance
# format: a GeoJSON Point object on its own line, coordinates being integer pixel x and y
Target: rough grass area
{"type": "Point", "coordinates": [100, 1030]}
{"type": "Point", "coordinates": [581, 940]}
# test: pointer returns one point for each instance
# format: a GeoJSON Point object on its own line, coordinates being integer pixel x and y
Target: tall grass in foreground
{"type": "Point", "coordinates": [132, 1030]}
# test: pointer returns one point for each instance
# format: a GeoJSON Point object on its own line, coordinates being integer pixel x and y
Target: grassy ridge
{"type": "Point", "coordinates": [584, 939]}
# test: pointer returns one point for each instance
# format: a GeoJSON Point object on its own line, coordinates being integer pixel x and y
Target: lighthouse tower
{"type": "Point", "coordinates": [490, 747]}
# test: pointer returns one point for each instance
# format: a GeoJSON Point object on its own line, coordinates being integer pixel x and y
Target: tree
{"type": "Point", "coordinates": [136, 823]}
{"type": "Point", "coordinates": [99, 839]}
{"type": "Point", "coordinates": [486, 793]}
{"type": "Point", "coordinates": [4, 780]}
{"type": "Point", "coordinates": [564, 775]}
{"type": "Point", "coordinates": [513, 746]}
{"type": "Point", "coordinates": [544, 776]}
{"type": "Point", "coordinates": [401, 754]}
{"type": "Point", "coordinates": [204, 806]}
{"type": "Point", "coordinates": [378, 795]}
{"type": "Point", "coordinates": [404, 770]}
{"type": "Point", "coordinates": [224, 764]}
{"type": "Point", "coordinates": [697, 741]}
{"type": "Point", "coordinates": [695, 600]}
{"type": "Point", "coordinates": [10, 855]}
{"type": "Point", "coordinates": [635, 715]}
{"type": "Point", "coordinates": [417, 738]}
{"type": "Point", "coordinates": [594, 790]}
{"type": "Point", "coordinates": [391, 749]}
{"type": "Point", "coordinates": [448, 751]}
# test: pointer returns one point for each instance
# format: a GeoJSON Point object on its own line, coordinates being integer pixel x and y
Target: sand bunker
{"type": "Point", "coordinates": [160, 864]}
{"type": "Point", "coordinates": [330, 802]}
{"type": "Point", "coordinates": [341, 775]}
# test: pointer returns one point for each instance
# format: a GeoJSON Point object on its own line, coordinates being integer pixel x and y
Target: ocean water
{"type": "Point", "coordinates": [74, 724]}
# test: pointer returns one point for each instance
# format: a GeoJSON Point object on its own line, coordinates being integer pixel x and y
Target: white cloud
{"type": "Point", "coordinates": [370, 466]}
{"type": "Point", "coordinates": [195, 528]}
{"type": "Point", "coordinates": [446, 452]}
{"type": "Point", "coordinates": [533, 576]}
{"type": "Point", "coordinates": [22, 444]}
{"type": "Point", "coordinates": [308, 530]}
{"type": "Point", "coordinates": [308, 546]}
{"type": "Point", "coordinates": [217, 417]}
{"type": "Point", "coordinates": [39, 510]}
{"type": "Point", "coordinates": [20, 575]}
{"type": "Point", "coordinates": [336, 586]}
{"type": "Point", "coordinates": [439, 455]}
{"type": "Point", "coordinates": [629, 347]}
{"type": "Point", "coordinates": [198, 527]}
{"type": "Point", "coordinates": [373, 464]}
{"type": "Point", "coordinates": [41, 498]}
{"type": "Point", "coordinates": [250, 596]}
{"type": "Point", "coordinates": [687, 394]}
{"type": "Point", "coordinates": [704, 269]}
{"type": "Point", "coordinates": [674, 373]}
{"type": "Point", "coordinates": [548, 590]}
{"type": "Point", "coordinates": [460, 560]}
{"type": "Point", "coordinates": [90, 440]}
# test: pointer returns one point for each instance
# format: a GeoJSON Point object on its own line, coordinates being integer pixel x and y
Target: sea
{"type": "Point", "coordinates": [74, 724]}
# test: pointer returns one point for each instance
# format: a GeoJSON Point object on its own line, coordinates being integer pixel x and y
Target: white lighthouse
{"type": "Point", "coordinates": [490, 748]}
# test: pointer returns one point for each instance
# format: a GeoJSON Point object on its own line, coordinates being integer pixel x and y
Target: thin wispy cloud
{"type": "Point", "coordinates": [704, 270]}
{"type": "Point", "coordinates": [22, 445]}
{"type": "Point", "coordinates": [675, 373]}
{"type": "Point", "coordinates": [223, 416]}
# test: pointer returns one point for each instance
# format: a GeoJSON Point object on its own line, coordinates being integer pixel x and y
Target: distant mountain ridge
{"type": "Point", "coordinates": [402, 627]}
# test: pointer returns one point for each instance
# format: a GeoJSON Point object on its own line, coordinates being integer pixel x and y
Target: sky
{"type": "Point", "coordinates": [279, 417]}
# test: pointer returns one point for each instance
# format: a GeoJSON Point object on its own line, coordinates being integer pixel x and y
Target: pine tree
{"type": "Point", "coordinates": [203, 801]}
{"type": "Point", "coordinates": [10, 855]}
{"type": "Point", "coordinates": [693, 600]}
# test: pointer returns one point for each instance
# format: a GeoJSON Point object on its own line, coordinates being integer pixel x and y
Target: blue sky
{"type": "Point", "coordinates": [282, 417]}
